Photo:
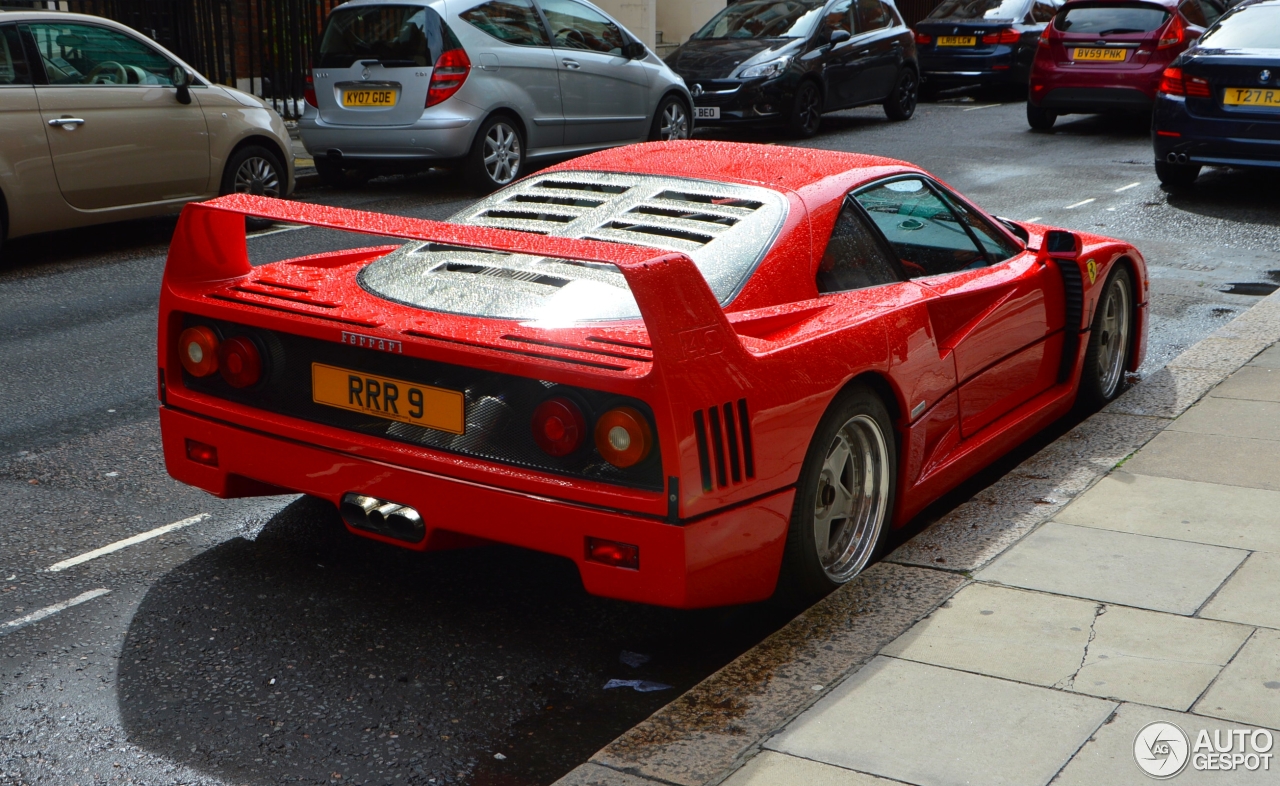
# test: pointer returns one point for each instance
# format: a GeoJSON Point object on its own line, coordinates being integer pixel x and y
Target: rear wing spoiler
{"type": "Point", "coordinates": [683, 317]}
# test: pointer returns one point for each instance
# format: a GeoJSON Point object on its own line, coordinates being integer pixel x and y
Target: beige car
{"type": "Point", "coordinates": [99, 123]}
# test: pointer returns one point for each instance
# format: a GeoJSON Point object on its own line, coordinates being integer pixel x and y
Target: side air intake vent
{"type": "Point", "coordinates": [725, 454]}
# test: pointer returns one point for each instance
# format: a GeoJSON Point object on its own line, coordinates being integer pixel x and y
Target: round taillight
{"type": "Point", "coordinates": [623, 437]}
{"type": "Point", "coordinates": [558, 426]}
{"type": "Point", "coordinates": [239, 361]}
{"type": "Point", "coordinates": [198, 350]}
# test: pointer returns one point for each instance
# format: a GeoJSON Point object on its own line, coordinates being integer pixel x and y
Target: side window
{"type": "Point", "coordinates": [13, 61]}
{"type": "Point", "coordinates": [927, 236]}
{"type": "Point", "coordinates": [75, 54]}
{"type": "Point", "coordinates": [997, 247]}
{"type": "Point", "coordinates": [1193, 13]}
{"type": "Point", "coordinates": [1042, 12]}
{"type": "Point", "coordinates": [838, 17]}
{"type": "Point", "coordinates": [872, 16]}
{"type": "Point", "coordinates": [855, 258]}
{"type": "Point", "coordinates": [513, 21]}
{"type": "Point", "coordinates": [574, 26]}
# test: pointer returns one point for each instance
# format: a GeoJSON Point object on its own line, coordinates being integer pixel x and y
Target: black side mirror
{"type": "Point", "coordinates": [634, 50]}
{"type": "Point", "coordinates": [181, 80]}
{"type": "Point", "coordinates": [838, 36]}
{"type": "Point", "coordinates": [1061, 244]}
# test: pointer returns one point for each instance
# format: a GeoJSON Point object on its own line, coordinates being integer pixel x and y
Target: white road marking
{"type": "Point", "coordinates": [1126, 188]}
{"type": "Point", "coordinates": [1033, 219]}
{"type": "Point", "coordinates": [49, 611]}
{"type": "Point", "coordinates": [127, 542]}
{"type": "Point", "coordinates": [1082, 202]}
{"type": "Point", "coordinates": [984, 106]}
{"type": "Point", "coordinates": [289, 228]}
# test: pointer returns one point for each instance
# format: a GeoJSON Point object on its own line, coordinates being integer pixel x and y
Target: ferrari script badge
{"type": "Point", "coordinates": [1091, 268]}
{"type": "Point", "coordinates": [372, 342]}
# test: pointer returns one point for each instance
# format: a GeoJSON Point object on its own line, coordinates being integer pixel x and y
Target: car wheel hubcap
{"type": "Point", "coordinates": [257, 176]}
{"type": "Point", "coordinates": [907, 93]}
{"type": "Point", "coordinates": [675, 123]}
{"type": "Point", "coordinates": [502, 154]}
{"type": "Point", "coordinates": [1114, 339]}
{"type": "Point", "coordinates": [809, 114]}
{"type": "Point", "coordinates": [852, 498]}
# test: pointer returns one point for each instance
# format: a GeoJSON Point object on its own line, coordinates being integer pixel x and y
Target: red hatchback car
{"type": "Point", "coordinates": [1108, 55]}
{"type": "Point", "coordinates": [691, 367]}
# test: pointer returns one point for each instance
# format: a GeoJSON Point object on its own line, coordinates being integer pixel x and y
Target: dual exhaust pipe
{"type": "Point", "coordinates": [1177, 158]}
{"type": "Point", "coordinates": [381, 517]}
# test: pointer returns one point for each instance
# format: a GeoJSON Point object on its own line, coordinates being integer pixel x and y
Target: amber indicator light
{"type": "Point", "coordinates": [198, 350]}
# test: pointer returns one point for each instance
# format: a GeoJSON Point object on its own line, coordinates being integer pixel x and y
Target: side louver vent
{"type": "Point", "coordinates": [723, 434]}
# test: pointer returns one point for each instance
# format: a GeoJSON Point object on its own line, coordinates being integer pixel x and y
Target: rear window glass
{"type": "Point", "coordinates": [1111, 19]}
{"type": "Point", "coordinates": [1249, 28]}
{"type": "Point", "coordinates": [980, 9]}
{"type": "Point", "coordinates": [393, 35]}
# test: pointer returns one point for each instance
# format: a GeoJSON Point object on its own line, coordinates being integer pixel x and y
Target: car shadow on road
{"type": "Point", "coordinates": [310, 653]}
{"type": "Point", "coordinates": [1238, 195]}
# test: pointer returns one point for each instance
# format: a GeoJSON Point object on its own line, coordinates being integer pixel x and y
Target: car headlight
{"type": "Point", "coordinates": [770, 69]}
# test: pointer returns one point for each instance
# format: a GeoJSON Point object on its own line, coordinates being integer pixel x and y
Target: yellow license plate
{"type": "Point", "coordinates": [957, 40]}
{"type": "Point", "coordinates": [368, 97]}
{"type": "Point", "coordinates": [393, 399]}
{"type": "Point", "coordinates": [1101, 55]}
{"type": "Point", "coordinates": [1251, 96]}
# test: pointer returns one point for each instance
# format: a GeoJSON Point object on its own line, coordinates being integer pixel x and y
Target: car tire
{"type": "Point", "coordinates": [1110, 341]}
{"type": "Point", "coordinates": [806, 110]}
{"type": "Point", "coordinates": [254, 169]}
{"type": "Point", "coordinates": [1177, 176]}
{"type": "Point", "coordinates": [853, 448]}
{"type": "Point", "coordinates": [1040, 119]}
{"type": "Point", "coordinates": [497, 155]}
{"type": "Point", "coordinates": [673, 120]}
{"type": "Point", "coordinates": [901, 103]}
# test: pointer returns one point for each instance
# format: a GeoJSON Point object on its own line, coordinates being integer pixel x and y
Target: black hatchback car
{"type": "Point", "coordinates": [785, 62]}
{"type": "Point", "coordinates": [1219, 101]}
{"type": "Point", "coordinates": [981, 42]}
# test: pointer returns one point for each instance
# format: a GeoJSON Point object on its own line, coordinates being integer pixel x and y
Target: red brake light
{"type": "Point", "coordinates": [623, 437]}
{"type": "Point", "coordinates": [1174, 83]}
{"type": "Point", "coordinates": [1175, 33]}
{"type": "Point", "coordinates": [198, 351]}
{"type": "Point", "coordinates": [1006, 36]}
{"type": "Point", "coordinates": [558, 426]}
{"type": "Point", "coordinates": [1043, 43]}
{"type": "Point", "coordinates": [611, 552]}
{"type": "Point", "coordinates": [239, 361]}
{"type": "Point", "coordinates": [309, 91]}
{"type": "Point", "coordinates": [450, 71]}
{"type": "Point", "coordinates": [921, 38]}
{"type": "Point", "coordinates": [201, 453]}
{"type": "Point", "coordinates": [1195, 86]}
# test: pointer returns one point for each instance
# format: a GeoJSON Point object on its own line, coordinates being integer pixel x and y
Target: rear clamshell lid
{"type": "Point", "coordinates": [726, 229]}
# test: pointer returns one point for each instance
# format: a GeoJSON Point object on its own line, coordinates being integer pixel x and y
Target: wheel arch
{"type": "Point", "coordinates": [261, 140]}
{"type": "Point", "coordinates": [1136, 345]}
{"type": "Point", "coordinates": [512, 115]}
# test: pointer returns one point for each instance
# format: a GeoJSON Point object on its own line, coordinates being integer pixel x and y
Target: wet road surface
{"type": "Point", "coordinates": [262, 645]}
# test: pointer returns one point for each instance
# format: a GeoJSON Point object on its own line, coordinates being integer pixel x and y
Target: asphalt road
{"type": "Point", "coordinates": [261, 644]}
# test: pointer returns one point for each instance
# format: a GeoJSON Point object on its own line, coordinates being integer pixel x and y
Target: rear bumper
{"type": "Point", "coordinates": [729, 557]}
{"type": "Point", "coordinates": [1213, 141]}
{"type": "Point", "coordinates": [435, 135]}
{"type": "Point", "coordinates": [1068, 100]}
{"type": "Point", "coordinates": [995, 68]}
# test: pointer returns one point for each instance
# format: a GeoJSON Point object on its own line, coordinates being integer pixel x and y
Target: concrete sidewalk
{"type": "Point", "coordinates": [1148, 590]}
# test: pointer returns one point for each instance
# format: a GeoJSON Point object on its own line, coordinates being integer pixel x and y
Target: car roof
{"type": "Point", "coordinates": [774, 166]}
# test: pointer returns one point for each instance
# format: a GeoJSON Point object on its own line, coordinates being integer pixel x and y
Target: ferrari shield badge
{"type": "Point", "coordinates": [1092, 268]}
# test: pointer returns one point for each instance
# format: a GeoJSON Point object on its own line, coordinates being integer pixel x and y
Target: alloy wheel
{"type": "Point", "coordinates": [502, 153]}
{"type": "Point", "coordinates": [1114, 339]}
{"type": "Point", "coordinates": [850, 506]}
{"type": "Point", "coordinates": [675, 122]}
{"type": "Point", "coordinates": [907, 94]}
{"type": "Point", "coordinates": [808, 113]}
{"type": "Point", "coordinates": [257, 176]}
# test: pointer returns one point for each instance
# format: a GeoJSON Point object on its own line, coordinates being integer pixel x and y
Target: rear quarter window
{"type": "Point", "coordinates": [1111, 19]}
{"type": "Point", "coordinates": [391, 34]}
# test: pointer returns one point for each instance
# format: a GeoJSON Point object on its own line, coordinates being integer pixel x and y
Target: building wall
{"type": "Point", "coordinates": [679, 19]}
{"type": "Point", "coordinates": [638, 16]}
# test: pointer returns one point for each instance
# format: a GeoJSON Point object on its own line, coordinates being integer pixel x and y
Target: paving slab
{"type": "Point", "coordinates": [1232, 461]}
{"type": "Point", "coordinates": [777, 769]}
{"type": "Point", "coordinates": [1220, 354]}
{"type": "Point", "coordinates": [1108, 758]}
{"type": "Point", "coordinates": [594, 775]}
{"type": "Point", "coordinates": [1232, 417]}
{"type": "Point", "coordinates": [1232, 516]}
{"type": "Point", "coordinates": [1115, 567]}
{"type": "Point", "coordinates": [1251, 382]}
{"type": "Point", "coordinates": [1248, 690]}
{"type": "Point", "coordinates": [932, 726]}
{"type": "Point", "coordinates": [1252, 595]}
{"type": "Point", "coordinates": [1166, 393]}
{"type": "Point", "coordinates": [1270, 358]}
{"type": "Point", "coordinates": [1261, 323]}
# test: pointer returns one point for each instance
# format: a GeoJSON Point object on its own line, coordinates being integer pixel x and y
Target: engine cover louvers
{"type": "Point", "coordinates": [725, 455]}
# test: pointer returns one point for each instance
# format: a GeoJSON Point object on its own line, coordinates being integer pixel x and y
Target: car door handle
{"type": "Point", "coordinates": [68, 123]}
{"type": "Point", "coordinates": [571, 64]}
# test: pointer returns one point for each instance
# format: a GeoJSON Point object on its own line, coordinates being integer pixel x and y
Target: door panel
{"type": "Point", "coordinates": [1012, 381]}
{"type": "Point", "coordinates": [874, 47]}
{"type": "Point", "coordinates": [605, 95]}
{"type": "Point", "coordinates": [116, 132]}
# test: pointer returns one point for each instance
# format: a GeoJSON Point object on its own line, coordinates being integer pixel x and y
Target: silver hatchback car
{"type": "Point", "coordinates": [485, 85]}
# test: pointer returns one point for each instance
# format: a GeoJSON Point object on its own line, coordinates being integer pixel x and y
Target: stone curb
{"type": "Point", "coordinates": [704, 735]}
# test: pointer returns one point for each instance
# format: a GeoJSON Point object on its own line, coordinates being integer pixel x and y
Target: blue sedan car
{"type": "Point", "coordinates": [1219, 102]}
